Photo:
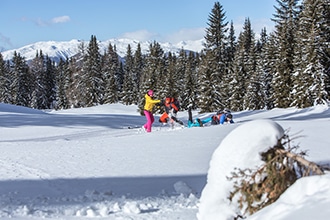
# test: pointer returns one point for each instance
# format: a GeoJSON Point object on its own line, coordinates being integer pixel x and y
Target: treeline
{"type": "Point", "coordinates": [289, 67]}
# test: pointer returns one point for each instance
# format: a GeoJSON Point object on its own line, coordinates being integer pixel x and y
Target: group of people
{"type": "Point", "coordinates": [172, 106]}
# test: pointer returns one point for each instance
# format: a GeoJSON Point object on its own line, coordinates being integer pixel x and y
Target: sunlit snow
{"type": "Point", "coordinates": [97, 163]}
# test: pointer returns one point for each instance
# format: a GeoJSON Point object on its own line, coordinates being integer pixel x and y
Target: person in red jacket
{"type": "Point", "coordinates": [148, 107]}
{"type": "Point", "coordinates": [172, 106]}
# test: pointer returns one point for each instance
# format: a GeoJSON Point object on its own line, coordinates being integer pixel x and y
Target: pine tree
{"type": "Point", "coordinates": [167, 80]}
{"type": "Point", "coordinates": [128, 85]}
{"type": "Point", "coordinates": [110, 67]}
{"type": "Point", "coordinates": [5, 82]}
{"type": "Point", "coordinates": [22, 82]}
{"type": "Point", "coordinates": [77, 74]}
{"type": "Point", "coordinates": [285, 30]}
{"type": "Point", "coordinates": [246, 81]}
{"type": "Point", "coordinates": [62, 85]}
{"type": "Point", "coordinates": [179, 75]}
{"type": "Point", "coordinates": [228, 79]}
{"type": "Point", "coordinates": [93, 78]}
{"type": "Point", "coordinates": [239, 76]}
{"type": "Point", "coordinates": [189, 96]}
{"type": "Point", "coordinates": [310, 78]}
{"type": "Point", "coordinates": [264, 69]}
{"type": "Point", "coordinates": [137, 71]}
{"type": "Point", "coordinates": [325, 49]}
{"type": "Point", "coordinates": [50, 82]}
{"type": "Point", "coordinates": [213, 67]}
{"type": "Point", "coordinates": [254, 91]}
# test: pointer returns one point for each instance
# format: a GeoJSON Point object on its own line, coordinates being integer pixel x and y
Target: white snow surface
{"type": "Point", "coordinates": [96, 163]}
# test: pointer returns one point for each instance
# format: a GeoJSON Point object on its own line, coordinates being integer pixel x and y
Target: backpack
{"type": "Point", "coordinates": [172, 103]}
{"type": "Point", "coordinates": [175, 105]}
{"type": "Point", "coordinates": [216, 118]}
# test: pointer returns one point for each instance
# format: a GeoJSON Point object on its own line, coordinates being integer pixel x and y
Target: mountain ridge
{"type": "Point", "coordinates": [57, 50]}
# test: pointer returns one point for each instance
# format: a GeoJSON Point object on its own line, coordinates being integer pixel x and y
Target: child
{"type": "Point", "coordinates": [197, 122]}
{"type": "Point", "coordinates": [172, 106]}
{"type": "Point", "coordinates": [148, 107]}
{"type": "Point", "coordinates": [220, 117]}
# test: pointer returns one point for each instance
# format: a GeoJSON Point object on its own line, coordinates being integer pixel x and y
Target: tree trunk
{"type": "Point", "coordinates": [313, 166]}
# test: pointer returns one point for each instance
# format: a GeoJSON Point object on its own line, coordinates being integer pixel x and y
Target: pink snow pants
{"type": "Point", "coordinates": [150, 119]}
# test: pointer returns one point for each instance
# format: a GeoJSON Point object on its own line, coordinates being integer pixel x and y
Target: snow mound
{"type": "Point", "coordinates": [301, 201]}
{"type": "Point", "coordinates": [245, 142]}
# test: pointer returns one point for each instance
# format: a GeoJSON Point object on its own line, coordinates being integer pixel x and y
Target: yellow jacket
{"type": "Point", "coordinates": [150, 103]}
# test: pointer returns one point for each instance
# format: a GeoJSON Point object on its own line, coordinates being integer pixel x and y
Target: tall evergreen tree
{"type": "Point", "coordinates": [325, 50]}
{"type": "Point", "coordinates": [128, 85]}
{"type": "Point", "coordinates": [246, 84]}
{"type": "Point", "coordinates": [22, 82]}
{"type": "Point", "coordinates": [167, 80]}
{"type": "Point", "coordinates": [94, 80]}
{"type": "Point", "coordinates": [213, 65]}
{"type": "Point", "coordinates": [137, 71]}
{"type": "Point", "coordinates": [110, 68]}
{"type": "Point", "coordinates": [179, 73]}
{"type": "Point", "coordinates": [77, 74]}
{"type": "Point", "coordinates": [253, 87]}
{"type": "Point", "coordinates": [239, 77]}
{"type": "Point", "coordinates": [50, 82]}
{"type": "Point", "coordinates": [189, 96]}
{"type": "Point", "coordinates": [285, 32]}
{"type": "Point", "coordinates": [310, 78]}
{"type": "Point", "coordinates": [5, 82]}
{"type": "Point", "coordinates": [62, 85]}
{"type": "Point", "coordinates": [230, 54]}
{"type": "Point", "coordinates": [264, 69]}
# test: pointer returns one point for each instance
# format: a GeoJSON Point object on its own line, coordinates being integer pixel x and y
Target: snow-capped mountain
{"type": "Point", "coordinates": [65, 49]}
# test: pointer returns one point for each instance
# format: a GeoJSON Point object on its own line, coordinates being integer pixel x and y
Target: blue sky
{"type": "Point", "coordinates": [25, 22]}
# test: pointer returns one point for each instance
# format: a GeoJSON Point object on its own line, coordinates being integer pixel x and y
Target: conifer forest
{"type": "Point", "coordinates": [288, 67]}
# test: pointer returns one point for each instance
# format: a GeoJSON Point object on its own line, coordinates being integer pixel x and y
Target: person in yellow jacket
{"type": "Point", "coordinates": [148, 106]}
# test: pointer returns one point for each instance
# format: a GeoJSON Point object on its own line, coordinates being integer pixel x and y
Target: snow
{"type": "Point", "coordinates": [66, 49]}
{"type": "Point", "coordinates": [96, 163]}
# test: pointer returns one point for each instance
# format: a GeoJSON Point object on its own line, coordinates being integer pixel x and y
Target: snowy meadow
{"type": "Point", "coordinates": [97, 163]}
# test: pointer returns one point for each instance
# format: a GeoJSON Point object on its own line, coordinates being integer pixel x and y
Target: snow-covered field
{"type": "Point", "coordinates": [96, 163]}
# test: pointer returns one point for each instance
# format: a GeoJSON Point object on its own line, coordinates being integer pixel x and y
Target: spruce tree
{"type": "Point", "coordinates": [77, 74]}
{"type": "Point", "coordinates": [263, 67]}
{"type": "Point", "coordinates": [179, 76]}
{"type": "Point", "coordinates": [128, 85]}
{"type": "Point", "coordinates": [285, 32]}
{"type": "Point", "coordinates": [189, 96]}
{"type": "Point", "coordinates": [310, 78]}
{"type": "Point", "coordinates": [5, 81]}
{"type": "Point", "coordinates": [37, 69]}
{"type": "Point", "coordinates": [62, 85]}
{"type": "Point", "coordinates": [93, 78]}
{"type": "Point", "coordinates": [50, 82]}
{"type": "Point", "coordinates": [167, 80]}
{"type": "Point", "coordinates": [228, 80]}
{"type": "Point", "coordinates": [239, 76]}
{"type": "Point", "coordinates": [110, 67]}
{"type": "Point", "coordinates": [253, 98]}
{"type": "Point", "coordinates": [213, 66]}
{"type": "Point", "coordinates": [22, 81]}
{"type": "Point", "coordinates": [138, 66]}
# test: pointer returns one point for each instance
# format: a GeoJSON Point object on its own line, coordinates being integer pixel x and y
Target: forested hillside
{"type": "Point", "coordinates": [289, 67]}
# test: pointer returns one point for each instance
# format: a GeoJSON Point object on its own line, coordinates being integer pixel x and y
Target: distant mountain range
{"type": "Point", "coordinates": [66, 49]}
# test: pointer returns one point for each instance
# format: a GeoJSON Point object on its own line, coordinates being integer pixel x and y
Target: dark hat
{"type": "Point", "coordinates": [229, 116]}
